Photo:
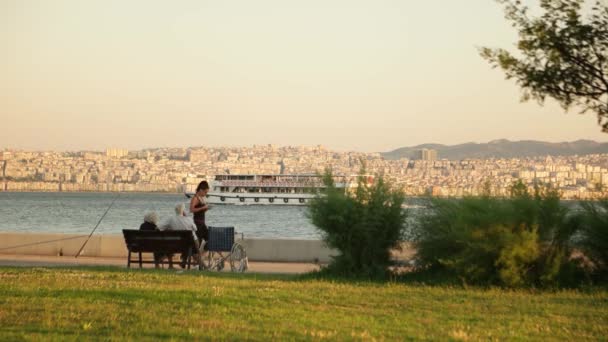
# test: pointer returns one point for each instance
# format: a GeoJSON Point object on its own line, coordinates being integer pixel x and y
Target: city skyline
{"type": "Point", "coordinates": [177, 170]}
{"type": "Point", "coordinates": [419, 147]}
{"type": "Point", "coordinates": [354, 75]}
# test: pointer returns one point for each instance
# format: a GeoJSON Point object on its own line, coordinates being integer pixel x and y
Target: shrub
{"type": "Point", "coordinates": [521, 240]}
{"type": "Point", "coordinates": [593, 221]}
{"type": "Point", "coordinates": [478, 239]}
{"type": "Point", "coordinates": [363, 226]}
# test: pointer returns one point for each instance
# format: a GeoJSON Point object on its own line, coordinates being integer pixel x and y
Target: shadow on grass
{"type": "Point", "coordinates": [441, 278]}
{"type": "Point", "coordinates": [429, 277]}
{"type": "Point", "coordinates": [136, 271]}
{"type": "Point", "coordinates": [324, 274]}
{"type": "Point", "coordinates": [414, 278]}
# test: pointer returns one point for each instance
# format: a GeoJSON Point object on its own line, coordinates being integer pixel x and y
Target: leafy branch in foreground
{"type": "Point", "coordinates": [562, 56]}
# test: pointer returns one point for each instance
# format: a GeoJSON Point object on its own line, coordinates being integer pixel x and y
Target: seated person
{"type": "Point", "coordinates": [151, 223]}
{"type": "Point", "coordinates": [182, 222]}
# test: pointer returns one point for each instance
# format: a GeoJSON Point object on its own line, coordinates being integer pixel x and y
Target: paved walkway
{"type": "Point", "coordinates": [44, 260]}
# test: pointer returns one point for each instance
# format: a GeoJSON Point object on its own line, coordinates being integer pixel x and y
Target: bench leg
{"type": "Point", "coordinates": [158, 261]}
{"type": "Point", "coordinates": [140, 263]}
{"type": "Point", "coordinates": [129, 260]}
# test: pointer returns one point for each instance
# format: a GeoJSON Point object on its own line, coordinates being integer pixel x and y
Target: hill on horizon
{"type": "Point", "coordinates": [502, 148]}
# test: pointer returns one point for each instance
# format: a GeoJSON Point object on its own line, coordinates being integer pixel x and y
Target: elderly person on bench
{"type": "Point", "coordinates": [151, 223]}
{"type": "Point", "coordinates": [182, 222]}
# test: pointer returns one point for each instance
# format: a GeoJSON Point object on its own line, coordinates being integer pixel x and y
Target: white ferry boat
{"type": "Point", "coordinates": [269, 189]}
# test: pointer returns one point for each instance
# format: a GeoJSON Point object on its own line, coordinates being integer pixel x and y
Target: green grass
{"type": "Point", "coordinates": [117, 304]}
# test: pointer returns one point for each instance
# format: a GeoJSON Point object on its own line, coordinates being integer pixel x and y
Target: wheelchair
{"type": "Point", "coordinates": [221, 247]}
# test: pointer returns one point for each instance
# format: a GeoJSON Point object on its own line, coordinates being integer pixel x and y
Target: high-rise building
{"type": "Point", "coordinates": [116, 152]}
{"type": "Point", "coordinates": [427, 154]}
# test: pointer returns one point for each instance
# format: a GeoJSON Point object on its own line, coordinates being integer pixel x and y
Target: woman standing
{"type": "Point", "coordinates": [198, 207]}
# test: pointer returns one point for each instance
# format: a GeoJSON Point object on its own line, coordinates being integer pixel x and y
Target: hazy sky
{"type": "Point", "coordinates": [351, 75]}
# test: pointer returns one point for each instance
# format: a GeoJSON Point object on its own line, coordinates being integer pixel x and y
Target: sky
{"type": "Point", "coordinates": [368, 76]}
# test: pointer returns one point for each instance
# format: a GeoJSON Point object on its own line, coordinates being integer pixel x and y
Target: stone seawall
{"type": "Point", "coordinates": [113, 246]}
{"type": "Point", "coordinates": [32, 186]}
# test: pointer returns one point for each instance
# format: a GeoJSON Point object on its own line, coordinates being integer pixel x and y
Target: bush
{"type": "Point", "coordinates": [521, 240]}
{"type": "Point", "coordinates": [363, 226]}
{"type": "Point", "coordinates": [593, 229]}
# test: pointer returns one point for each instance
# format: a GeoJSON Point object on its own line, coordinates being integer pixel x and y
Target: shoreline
{"type": "Point", "coordinates": [90, 192]}
{"type": "Point", "coordinates": [101, 233]}
{"type": "Point", "coordinates": [17, 260]}
{"type": "Point", "coordinates": [420, 197]}
{"type": "Point", "coordinates": [113, 246]}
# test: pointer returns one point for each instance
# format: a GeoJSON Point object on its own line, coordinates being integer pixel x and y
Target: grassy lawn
{"type": "Point", "coordinates": [117, 304]}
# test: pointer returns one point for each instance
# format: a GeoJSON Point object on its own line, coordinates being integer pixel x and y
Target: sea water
{"type": "Point", "coordinates": [79, 213]}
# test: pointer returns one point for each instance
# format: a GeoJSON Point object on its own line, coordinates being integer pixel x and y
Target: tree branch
{"type": "Point", "coordinates": [599, 61]}
{"type": "Point", "coordinates": [578, 61]}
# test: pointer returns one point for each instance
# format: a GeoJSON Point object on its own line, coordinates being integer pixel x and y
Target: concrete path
{"type": "Point", "coordinates": [50, 261]}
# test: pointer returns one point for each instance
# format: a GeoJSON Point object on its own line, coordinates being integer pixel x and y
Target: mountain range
{"type": "Point", "coordinates": [502, 149]}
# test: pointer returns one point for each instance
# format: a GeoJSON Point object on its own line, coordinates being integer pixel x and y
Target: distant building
{"type": "Point", "coordinates": [116, 152]}
{"type": "Point", "coordinates": [5, 155]}
{"type": "Point", "coordinates": [198, 156]}
{"type": "Point", "coordinates": [92, 155]}
{"type": "Point", "coordinates": [427, 154]}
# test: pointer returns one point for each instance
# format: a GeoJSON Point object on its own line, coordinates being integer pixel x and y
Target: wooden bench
{"type": "Point", "coordinates": [153, 241]}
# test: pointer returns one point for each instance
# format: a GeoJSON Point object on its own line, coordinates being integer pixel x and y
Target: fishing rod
{"type": "Point", "coordinates": [41, 242]}
{"type": "Point", "coordinates": [101, 219]}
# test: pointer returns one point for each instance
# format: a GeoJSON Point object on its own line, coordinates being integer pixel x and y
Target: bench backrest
{"type": "Point", "coordinates": [168, 241]}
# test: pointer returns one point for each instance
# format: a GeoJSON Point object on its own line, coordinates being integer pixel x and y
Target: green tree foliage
{"type": "Point", "coordinates": [363, 226]}
{"type": "Point", "coordinates": [561, 55]}
{"type": "Point", "coordinates": [522, 240]}
{"type": "Point", "coordinates": [593, 225]}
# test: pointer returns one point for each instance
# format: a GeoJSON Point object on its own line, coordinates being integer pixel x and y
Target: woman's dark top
{"type": "Point", "coordinates": [199, 220]}
{"type": "Point", "coordinates": [199, 215]}
{"type": "Point", "coordinates": [147, 226]}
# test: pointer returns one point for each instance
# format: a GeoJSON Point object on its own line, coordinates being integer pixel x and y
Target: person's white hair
{"type": "Point", "coordinates": [151, 217]}
{"type": "Point", "coordinates": [179, 209]}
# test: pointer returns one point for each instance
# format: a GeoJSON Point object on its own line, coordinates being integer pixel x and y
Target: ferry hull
{"type": "Point", "coordinates": [266, 199]}
{"type": "Point", "coordinates": [267, 189]}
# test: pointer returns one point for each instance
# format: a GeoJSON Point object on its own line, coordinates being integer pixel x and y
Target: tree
{"type": "Point", "coordinates": [562, 56]}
